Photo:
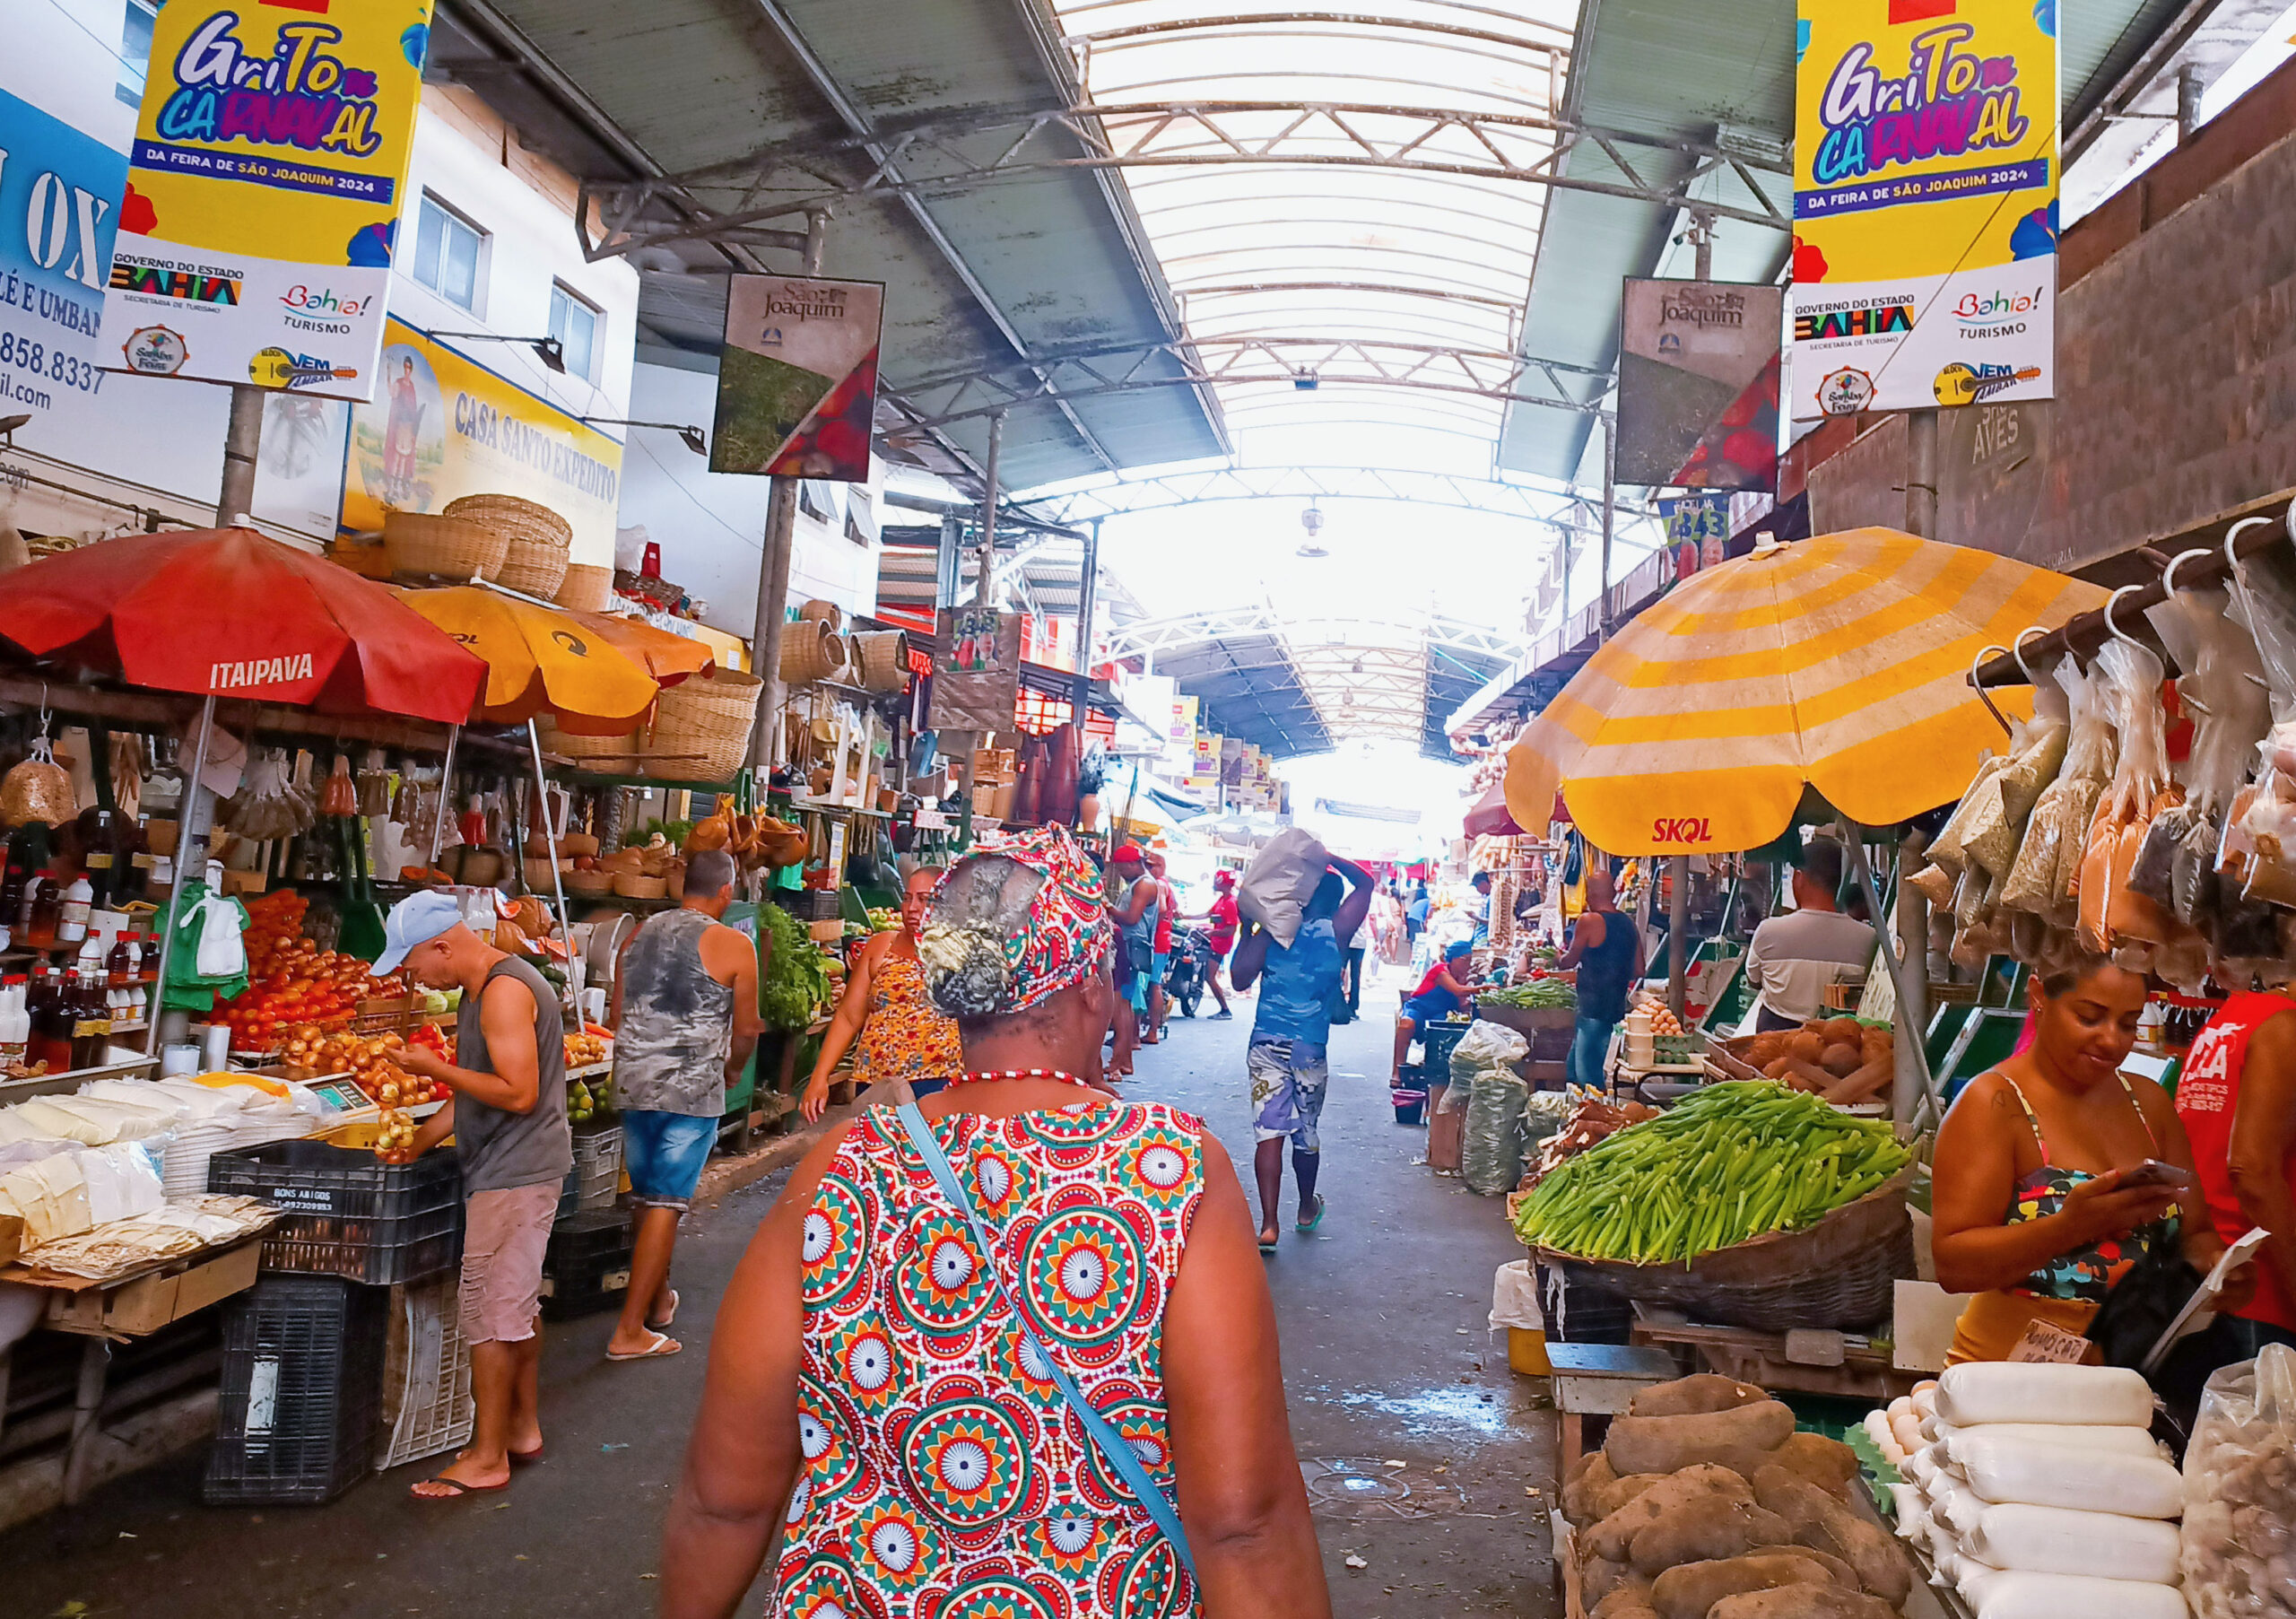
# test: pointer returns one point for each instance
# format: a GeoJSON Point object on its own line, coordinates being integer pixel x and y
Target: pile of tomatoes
{"type": "Point", "coordinates": [291, 980]}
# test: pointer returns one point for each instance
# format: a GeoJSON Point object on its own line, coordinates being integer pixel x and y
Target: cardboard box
{"type": "Point", "coordinates": [1923, 1317]}
{"type": "Point", "coordinates": [148, 1302]}
{"type": "Point", "coordinates": [1444, 1131]}
{"type": "Point", "coordinates": [12, 1238]}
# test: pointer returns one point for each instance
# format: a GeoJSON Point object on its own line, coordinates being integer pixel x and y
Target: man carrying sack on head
{"type": "Point", "coordinates": [508, 1116]}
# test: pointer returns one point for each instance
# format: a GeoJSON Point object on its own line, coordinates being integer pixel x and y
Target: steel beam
{"type": "Point", "coordinates": [943, 156]}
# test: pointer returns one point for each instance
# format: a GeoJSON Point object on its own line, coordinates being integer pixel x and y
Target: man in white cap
{"type": "Point", "coordinates": [508, 1116]}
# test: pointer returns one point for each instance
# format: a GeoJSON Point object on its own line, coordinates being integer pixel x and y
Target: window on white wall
{"type": "Point", "coordinates": [575, 324]}
{"type": "Point", "coordinates": [135, 49]}
{"type": "Point", "coordinates": [448, 249]}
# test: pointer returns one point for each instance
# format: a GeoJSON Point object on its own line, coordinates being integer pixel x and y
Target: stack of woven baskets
{"type": "Point", "coordinates": [700, 733]}
{"type": "Point", "coordinates": [518, 544]}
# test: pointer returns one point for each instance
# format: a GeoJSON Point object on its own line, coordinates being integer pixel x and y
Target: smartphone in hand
{"type": "Point", "coordinates": [2152, 1172]}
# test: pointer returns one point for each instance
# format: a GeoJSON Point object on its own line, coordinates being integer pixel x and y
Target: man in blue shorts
{"type": "Point", "coordinates": [1289, 1030]}
{"type": "Point", "coordinates": [685, 1019]}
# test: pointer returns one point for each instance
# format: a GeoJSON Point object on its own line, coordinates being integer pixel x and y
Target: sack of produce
{"type": "Point", "coordinates": [2008, 1391]}
{"type": "Point", "coordinates": [1282, 879]}
{"type": "Point", "coordinates": [1491, 1144]}
{"type": "Point", "coordinates": [2041, 878]}
{"type": "Point", "coordinates": [2239, 1554]}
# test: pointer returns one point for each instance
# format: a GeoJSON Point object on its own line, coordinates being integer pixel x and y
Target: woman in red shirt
{"type": "Point", "coordinates": [2237, 1097]}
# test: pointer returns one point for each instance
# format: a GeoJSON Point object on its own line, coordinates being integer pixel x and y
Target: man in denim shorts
{"type": "Point", "coordinates": [1285, 1060]}
{"type": "Point", "coordinates": [685, 1019]}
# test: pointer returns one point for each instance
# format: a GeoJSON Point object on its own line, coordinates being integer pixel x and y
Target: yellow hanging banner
{"type": "Point", "coordinates": [264, 192]}
{"type": "Point", "coordinates": [1924, 204]}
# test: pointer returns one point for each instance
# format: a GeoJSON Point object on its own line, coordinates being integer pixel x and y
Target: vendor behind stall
{"type": "Point", "coordinates": [1606, 950]}
{"type": "Point", "coordinates": [2055, 1173]}
{"type": "Point", "coordinates": [1796, 958]}
{"type": "Point", "coordinates": [1443, 991]}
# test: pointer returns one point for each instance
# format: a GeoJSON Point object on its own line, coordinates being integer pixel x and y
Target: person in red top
{"type": "Point", "coordinates": [1441, 993]}
{"type": "Point", "coordinates": [1225, 919]}
{"type": "Point", "coordinates": [2237, 1097]}
{"type": "Point", "coordinates": [1167, 903]}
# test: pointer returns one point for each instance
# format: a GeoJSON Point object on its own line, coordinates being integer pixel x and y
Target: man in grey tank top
{"type": "Point", "coordinates": [508, 1116]}
{"type": "Point", "coordinates": [685, 1019]}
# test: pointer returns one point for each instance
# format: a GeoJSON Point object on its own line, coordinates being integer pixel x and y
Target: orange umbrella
{"type": "Point", "coordinates": [539, 661]}
{"type": "Point", "coordinates": [668, 658]}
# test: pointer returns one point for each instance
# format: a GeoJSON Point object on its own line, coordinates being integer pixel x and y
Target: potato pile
{"type": "Point", "coordinates": [1705, 1503]}
{"type": "Point", "coordinates": [1837, 1057]}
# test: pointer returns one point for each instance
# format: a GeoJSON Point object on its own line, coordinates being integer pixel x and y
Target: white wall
{"type": "Point", "coordinates": [712, 526]}
{"type": "Point", "coordinates": [158, 443]}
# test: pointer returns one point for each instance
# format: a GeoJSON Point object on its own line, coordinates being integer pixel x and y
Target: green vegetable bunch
{"type": "Point", "coordinates": [673, 832]}
{"type": "Point", "coordinates": [1735, 1162]}
{"type": "Point", "coordinates": [797, 979]}
{"type": "Point", "coordinates": [1551, 994]}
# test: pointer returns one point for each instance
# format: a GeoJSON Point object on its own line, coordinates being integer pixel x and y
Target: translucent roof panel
{"type": "Point", "coordinates": [1398, 291]}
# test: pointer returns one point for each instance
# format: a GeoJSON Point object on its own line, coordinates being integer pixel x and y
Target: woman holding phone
{"type": "Point", "coordinates": [2055, 1173]}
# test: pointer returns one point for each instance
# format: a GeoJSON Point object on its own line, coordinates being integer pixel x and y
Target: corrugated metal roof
{"type": "Point", "coordinates": [974, 278]}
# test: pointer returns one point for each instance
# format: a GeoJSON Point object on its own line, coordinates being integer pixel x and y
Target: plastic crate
{"type": "Point", "coordinates": [301, 1388]}
{"type": "Point", "coordinates": [426, 1407]}
{"type": "Point", "coordinates": [587, 1267]}
{"type": "Point", "coordinates": [348, 1214]}
{"type": "Point", "coordinates": [597, 1168]}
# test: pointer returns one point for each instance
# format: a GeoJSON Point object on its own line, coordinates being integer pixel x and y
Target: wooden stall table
{"type": "Point", "coordinates": [1600, 1379]}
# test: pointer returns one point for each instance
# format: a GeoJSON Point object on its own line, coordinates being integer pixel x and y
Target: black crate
{"type": "Point", "coordinates": [347, 1213]}
{"type": "Point", "coordinates": [587, 1268]}
{"type": "Point", "coordinates": [301, 1394]}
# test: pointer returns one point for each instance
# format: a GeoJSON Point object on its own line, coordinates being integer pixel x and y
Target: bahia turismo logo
{"type": "Point", "coordinates": [1999, 314]}
{"type": "Point", "coordinates": [320, 309]}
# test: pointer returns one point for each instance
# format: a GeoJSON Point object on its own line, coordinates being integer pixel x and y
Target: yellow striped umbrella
{"type": "Point", "coordinates": [1840, 663]}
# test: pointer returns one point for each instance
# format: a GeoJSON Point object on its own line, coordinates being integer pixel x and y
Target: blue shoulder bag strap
{"type": "Point", "coordinates": [1104, 1436]}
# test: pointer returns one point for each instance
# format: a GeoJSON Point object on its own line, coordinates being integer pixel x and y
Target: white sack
{"type": "Point", "coordinates": [2045, 1474]}
{"type": "Point", "coordinates": [1281, 880]}
{"type": "Point", "coordinates": [2057, 1540]}
{"type": "Point", "coordinates": [2015, 1391]}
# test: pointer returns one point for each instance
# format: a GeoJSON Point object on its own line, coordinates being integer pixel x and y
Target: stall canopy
{"type": "Point", "coordinates": [1490, 817]}
{"type": "Point", "coordinates": [1840, 663]}
{"type": "Point", "coordinates": [541, 661]}
{"type": "Point", "coordinates": [227, 613]}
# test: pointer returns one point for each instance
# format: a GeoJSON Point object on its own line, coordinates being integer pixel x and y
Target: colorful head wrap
{"type": "Point", "coordinates": [1009, 930]}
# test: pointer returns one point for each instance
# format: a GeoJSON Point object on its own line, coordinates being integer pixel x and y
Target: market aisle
{"type": "Point", "coordinates": [1382, 1316]}
{"type": "Point", "coordinates": [1384, 1351]}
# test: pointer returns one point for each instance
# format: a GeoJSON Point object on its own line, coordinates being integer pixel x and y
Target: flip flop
{"type": "Point", "coordinates": [667, 1320]}
{"type": "Point", "coordinates": [1266, 1246]}
{"type": "Point", "coordinates": [523, 1459]}
{"type": "Point", "coordinates": [661, 1346]}
{"type": "Point", "coordinates": [1309, 1223]}
{"type": "Point", "coordinates": [455, 1488]}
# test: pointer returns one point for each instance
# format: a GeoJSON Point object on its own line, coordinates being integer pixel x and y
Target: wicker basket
{"type": "Point", "coordinates": [589, 885]}
{"type": "Point", "coordinates": [542, 875]}
{"type": "Point", "coordinates": [586, 588]}
{"type": "Point", "coordinates": [1838, 1273]}
{"type": "Point", "coordinates": [818, 611]}
{"type": "Point", "coordinates": [880, 660]}
{"type": "Point", "coordinates": [701, 726]}
{"type": "Point", "coordinates": [537, 540]}
{"type": "Point", "coordinates": [810, 650]}
{"type": "Point", "coordinates": [424, 544]}
{"type": "Point", "coordinates": [605, 756]}
{"type": "Point", "coordinates": [632, 886]}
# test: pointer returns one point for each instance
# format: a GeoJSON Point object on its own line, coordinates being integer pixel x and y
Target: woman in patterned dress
{"type": "Point", "coordinates": [890, 1394]}
{"type": "Point", "coordinates": [905, 1038]}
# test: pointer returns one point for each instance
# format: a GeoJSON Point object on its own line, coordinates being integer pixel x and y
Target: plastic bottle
{"type": "Point", "coordinates": [15, 1023]}
{"type": "Point", "coordinates": [119, 962]}
{"type": "Point", "coordinates": [79, 899]}
{"type": "Point", "coordinates": [89, 963]}
{"type": "Point", "coordinates": [47, 907]}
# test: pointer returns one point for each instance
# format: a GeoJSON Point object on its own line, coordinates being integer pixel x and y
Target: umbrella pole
{"type": "Point", "coordinates": [1913, 1078]}
{"type": "Point", "coordinates": [557, 882]}
{"type": "Point", "coordinates": [184, 812]}
{"type": "Point", "coordinates": [446, 794]}
{"type": "Point", "coordinates": [1678, 934]}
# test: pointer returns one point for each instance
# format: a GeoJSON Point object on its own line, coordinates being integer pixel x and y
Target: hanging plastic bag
{"type": "Point", "coordinates": [2239, 1550]}
{"type": "Point", "coordinates": [2041, 877]}
{"type": "Point", "coordinates": [2131, 676]}
{"type": "Point", "coordinates": [38, 789]}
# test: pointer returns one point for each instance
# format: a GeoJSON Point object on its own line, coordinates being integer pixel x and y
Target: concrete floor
{"type": "Point", "coordinates": [1386, 1357]}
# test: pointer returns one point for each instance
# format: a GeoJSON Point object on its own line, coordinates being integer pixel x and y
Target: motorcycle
{"type": "Point", "coordinates": [1191, 972]}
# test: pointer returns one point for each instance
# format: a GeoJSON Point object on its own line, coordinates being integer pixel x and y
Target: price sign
{"type": "Point", "coordinates": [2046, 1341]}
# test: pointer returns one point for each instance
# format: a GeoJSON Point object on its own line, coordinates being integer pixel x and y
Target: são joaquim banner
{"type": "Point", "coordinates": [263, 193]}
{"type": "Point", "coordinates": [798, 377]}
{"type": "Point", "coordinates": [1924, 204]}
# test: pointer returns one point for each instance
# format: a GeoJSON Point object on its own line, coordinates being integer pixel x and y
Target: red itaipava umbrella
{"type": "Point", "coordinates": [227, 613]}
